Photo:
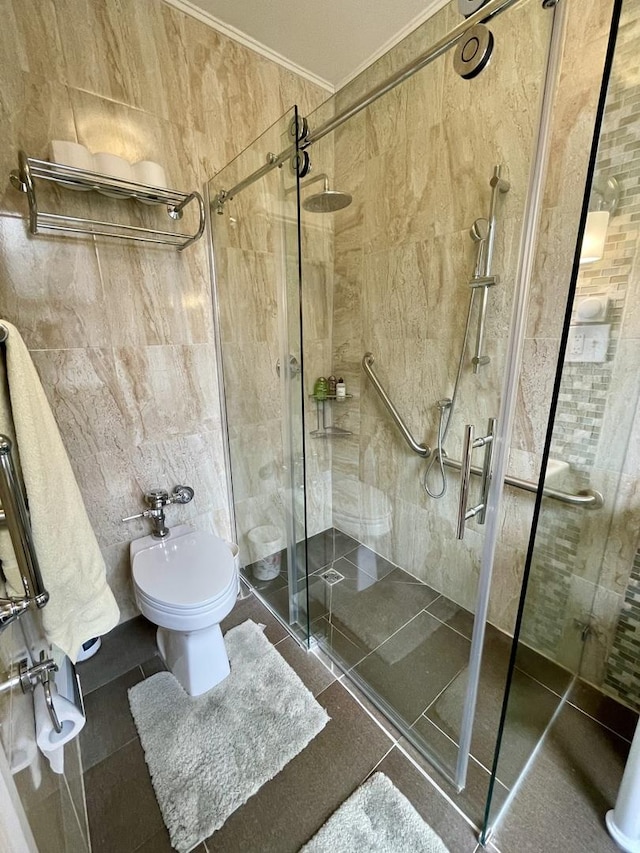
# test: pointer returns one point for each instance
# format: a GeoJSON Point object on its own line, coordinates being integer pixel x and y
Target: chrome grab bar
{"type": "Point", "coordinates": [421, 449]}
{"type": "Point", "coordinates": [470, 444]}
{"type": "Point", "coordinates": [587, 498]}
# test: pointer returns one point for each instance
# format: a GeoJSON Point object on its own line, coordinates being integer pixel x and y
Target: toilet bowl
{"type": "Point", "coordinates": [186, 584]}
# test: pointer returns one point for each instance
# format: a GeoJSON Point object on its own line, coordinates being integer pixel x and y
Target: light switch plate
{"type": "Point", "coordinates": [588, 342]}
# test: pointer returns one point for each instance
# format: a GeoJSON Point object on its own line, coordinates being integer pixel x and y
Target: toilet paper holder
{"type": "Point", "coordinates": [28, 677]}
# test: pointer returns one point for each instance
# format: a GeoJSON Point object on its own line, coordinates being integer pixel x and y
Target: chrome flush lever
{"type": "Point", "coordinates": [470, 443]}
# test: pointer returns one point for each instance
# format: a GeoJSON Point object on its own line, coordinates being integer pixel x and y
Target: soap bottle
{"type": "Point", "coordinates": [341, 389]}
{"type": "Point", "coordinates": [321, 388]}
{"type": "Point", "coordinates": [332, 385]}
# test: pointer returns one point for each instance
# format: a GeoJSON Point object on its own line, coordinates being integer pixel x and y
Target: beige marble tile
{"type": "Point", "coordinates": [552, 272]}
{"type": "Point", "coordinates": [158, 296]}
{"type": "Point", "coordinates": [611, 536]}
{"type": "Point", "coordinates": [409, 109]}
{"type": "Point", "coordinates": [506, 586]}
{"type": "Point", "coordinates": [168, 391]}
{"type": "Point", "coordinates": [104, 125]}
{"type": "Point", "coordinates": [86, 399]}
{"type": "Point", "coordinates": [51, 289]}
{"type": "Point", "coordinates": [30, 38]}
{"type": "Point", "coordinates": [219, 71]}
{"type": "Point", "coordinates": [522, 36]}
{"type": "Point", "coordinates": [573, 123]}
{"type": "Point", "coordinates": [252, 387]}
{"type": "Point", "coordinates": [216, 521]}
{"type": "Point", "coordinates": [124, 52]}
{"type": "Point", "coordinates": [620, 425]}
{"type": "Point", "coordinates": [248, 297]}
{"type": "Point", "coordinates": [111, 491]}
{"type": "Point", "coordinates": [194, 460]}
{"type": "Point", "coordinates": [119, 579]}
{"type": "Point", "coordinates": [534, 394]}
{"type": "Point", "coordinates": [33, 110]}
{"type": "Point", "coordinates": [257, 461]}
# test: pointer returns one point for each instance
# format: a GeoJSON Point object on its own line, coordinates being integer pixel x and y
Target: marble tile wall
{"type": "Point", "coordinates": [121, 334]}
{"type": "Point", "coordinates": [418, 164]}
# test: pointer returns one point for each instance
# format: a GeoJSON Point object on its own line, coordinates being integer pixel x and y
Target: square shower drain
{"type": "Point", "coordinates": [331, 577]}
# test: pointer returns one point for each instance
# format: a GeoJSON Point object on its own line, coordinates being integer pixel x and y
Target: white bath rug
{"type": "Point", "coordinates": [208, 754]}
{"type": "Point", "coordinates": [379, 819]}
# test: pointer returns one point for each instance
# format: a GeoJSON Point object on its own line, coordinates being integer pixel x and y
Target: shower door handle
{"type": "Point", "coordinates": [465, 478]}
{"type": "Point", "coordinates": [470, 443]}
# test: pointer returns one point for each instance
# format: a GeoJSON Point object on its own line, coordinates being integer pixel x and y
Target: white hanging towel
{"type": "Point", "coordinates": [81, 604]}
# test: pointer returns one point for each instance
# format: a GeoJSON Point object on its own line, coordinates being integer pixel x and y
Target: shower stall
{"type": "Point", "coordinates": [375, 266]}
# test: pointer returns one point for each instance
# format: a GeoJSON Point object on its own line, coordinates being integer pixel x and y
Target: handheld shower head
{"type": "Point", "coordinates": [479, 231]}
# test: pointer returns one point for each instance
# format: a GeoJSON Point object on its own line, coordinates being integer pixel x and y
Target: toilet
{"type": "Point", "coordinates": [186, 584]}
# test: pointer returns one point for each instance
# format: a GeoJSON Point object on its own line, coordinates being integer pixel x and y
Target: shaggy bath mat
{"type": "Point", "coordinates": [208, 754]}
{"type": "Point", "coordinates": [379, 819]}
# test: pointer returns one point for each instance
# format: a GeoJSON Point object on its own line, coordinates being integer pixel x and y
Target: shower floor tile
{"type": "Point", "coordinates": [473, 798]}
{"type": "Point", "coordinates": [325, 548]}
{"type": "Point", "coordinates": [530, 708]}
{"type": "Point", "coordinates": [365, 610]}
{"type": "Point", "coordinates": [563, 799]}
{"type": "Point", "coordinates": [348, 651]}
{"type": "Point", "coordinates": [411, 668]}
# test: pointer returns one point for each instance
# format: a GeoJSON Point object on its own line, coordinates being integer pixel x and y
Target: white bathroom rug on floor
{"type": "Point", "coordinates": [379, 819]}
{"type": "Point", "coordinates": [208, 754]}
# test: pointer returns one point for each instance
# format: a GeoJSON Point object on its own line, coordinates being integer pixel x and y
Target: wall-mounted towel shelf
{"type": "Point", "coordinates": [29, 170]}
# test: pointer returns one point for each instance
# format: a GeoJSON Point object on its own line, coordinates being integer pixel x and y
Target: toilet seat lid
{"type": "Point", "coordinates": [184, 571]}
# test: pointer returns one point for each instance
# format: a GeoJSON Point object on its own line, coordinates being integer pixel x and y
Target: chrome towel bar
{"type": "Point", "coordinates": [19, 526]}
{"type": "Point", "coordinates": [29, 169]}
{"type": "Point", "coordinates": [587, 498]}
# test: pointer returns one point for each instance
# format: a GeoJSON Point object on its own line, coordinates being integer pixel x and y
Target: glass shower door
{"type": "Point", "coordinates": [256, 254]}
{"type": "Point", "coordinates": [396, 597]}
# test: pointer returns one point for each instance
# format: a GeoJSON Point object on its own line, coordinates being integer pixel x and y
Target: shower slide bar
{"type": "Point", "coordinates": [587, 498]}
{"type": "Point", "coordinates": [482, 16]}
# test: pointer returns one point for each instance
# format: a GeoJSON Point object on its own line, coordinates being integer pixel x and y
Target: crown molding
{"type": "Point", "coordinates": [237, 35]}
{"type": "Point", "coordinates": [430, 9]}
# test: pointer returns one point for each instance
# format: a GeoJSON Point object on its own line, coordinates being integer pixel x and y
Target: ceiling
{"type": "Point", "coordinates": [328, 40]}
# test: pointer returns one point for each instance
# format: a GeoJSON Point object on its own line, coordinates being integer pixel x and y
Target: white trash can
{"type": "Point", "coordinates": [235, 551]}
{"type": "Point", "coordinates": [266, 544]}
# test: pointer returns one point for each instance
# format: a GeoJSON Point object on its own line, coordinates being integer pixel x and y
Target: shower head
{"type": "Point", "coordinates": [327, 201]}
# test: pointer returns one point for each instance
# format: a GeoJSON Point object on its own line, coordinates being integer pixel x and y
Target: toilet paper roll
{"type": "Point", "coordinates": [50, 742]}
{"type": "Point", "coordinates": [71, 154]}
{"type": "Point", "coordinates": [151, 174]}
{"type": "Point", "coordinates": [114, 167]}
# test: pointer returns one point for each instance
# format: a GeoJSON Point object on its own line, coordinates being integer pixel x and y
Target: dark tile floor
{"type": "Point", "coordinates": [409, 646]}
{"type": "Point", "coordinates": [558, 807]}
{"type": "Point", "coordinates": [288, 810]}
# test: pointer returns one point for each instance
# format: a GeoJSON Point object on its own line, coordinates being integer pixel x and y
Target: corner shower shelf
{"type": "Point", "coordinates": [325, 430]}
{"type": "Point", "coordinates": [29, 169]}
